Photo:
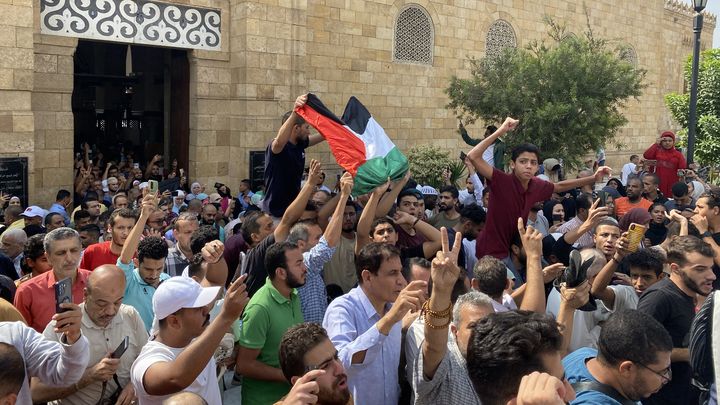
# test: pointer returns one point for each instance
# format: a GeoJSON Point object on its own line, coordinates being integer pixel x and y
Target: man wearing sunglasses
{"type": "Point", "coordinates": [631, 363]}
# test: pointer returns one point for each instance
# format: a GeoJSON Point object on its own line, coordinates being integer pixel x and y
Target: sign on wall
{"type": "Point", "coordinates": [133, 21]}
{"type": "Point", "coordinates": [14, 178]}
{"type": "Point", "coordinates": [257, 169]}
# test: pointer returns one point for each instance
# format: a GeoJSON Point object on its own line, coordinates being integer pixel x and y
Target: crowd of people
{"type": "Point", "coordinates": [526, 287]}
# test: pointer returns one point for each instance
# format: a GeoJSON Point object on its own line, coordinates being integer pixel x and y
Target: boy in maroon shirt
{"type": "Point", "coordinates": [513, 194]}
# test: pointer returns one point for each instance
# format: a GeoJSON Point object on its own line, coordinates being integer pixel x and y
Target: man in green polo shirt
{"type": "Point", "coordinates": [272, 310]}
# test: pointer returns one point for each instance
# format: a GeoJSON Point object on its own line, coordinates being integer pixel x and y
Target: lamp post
{"type": "Point", "coordinates": [699, 6]}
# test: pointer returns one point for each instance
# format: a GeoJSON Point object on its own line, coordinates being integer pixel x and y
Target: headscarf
{"type": "Point", "coordinates": [698, 190]}
{"type": "Point", "coordinates": [636, 215]}
{"type": "Point", "coordinates": [613, 192]}
{"type": "Point", "coordinates": [621, 187]}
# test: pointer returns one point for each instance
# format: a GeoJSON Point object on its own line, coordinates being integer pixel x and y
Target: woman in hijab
{"type": "Point", "coordinates": [554, 212]}
{"type": "Point", "coordinates": [196, 192]}
{"type": "Point", "coordinates": [638, 216]}
{"type": "Point", "coordinates": [617, 185]}
{"type": "Point", "coordinates": [695, 189]}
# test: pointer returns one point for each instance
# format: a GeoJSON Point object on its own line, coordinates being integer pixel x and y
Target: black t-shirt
{"type": "Point", "coordinates": [675, 310]}
{"type": "Point", "coordinates": [283, 173]}
{"type": "Point", "coordinates": [254, 265]}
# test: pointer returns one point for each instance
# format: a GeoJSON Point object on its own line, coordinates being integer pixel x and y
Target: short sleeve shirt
{"type": "Point", "coordinates": [266, 318]}
{"type": "Point", "coordinates": [138, 293]}
{"type": "Point", "coordinates": [508, 202]}
{"type": "Point", "coordinates": [283, 173]}
{"type": "Point", "coordinates": [98, 254]}
{"type": "Point", "coordinates": [576, 370]}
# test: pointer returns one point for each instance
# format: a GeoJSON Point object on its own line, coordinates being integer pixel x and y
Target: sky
{"type": "Point", "coordinates": [713, 6]}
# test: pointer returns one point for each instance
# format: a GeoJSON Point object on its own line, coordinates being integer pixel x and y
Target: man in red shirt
{"type": "Point", "coordinates": [35, 298]}
{"type": "Point", "coordinates": [121, 223]}
{"type": "Point", "coordinates": [515, 193]}
{"type": "Point", "coordinates": [669, 160]}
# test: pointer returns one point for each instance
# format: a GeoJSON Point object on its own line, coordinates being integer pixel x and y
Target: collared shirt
{"type": "Point", "coordinates": [267, 317]}
{"type": "Point", "coordinates": [350, 321]}
{"type": "Point", "coordinates": [16, 264]}
{"type": "Point", "coordinates": [585, 240]}
{"type": "Point", "coordinates": [313, 297]}
{"type": "Point", "coordinates": [340, 270]}
{"type": "Point", "coordinates": [35, 298]}
{"type": "Point", "coordinates": [60, 209]}
{"type": "Point", "coordinates": [138, 293]}
{"type": "Point", "coordinates": [175, 261]}
{"type": "Point", "coordinates": [102, 341]}
{"type": "Point", "coordinates": [53, 363]}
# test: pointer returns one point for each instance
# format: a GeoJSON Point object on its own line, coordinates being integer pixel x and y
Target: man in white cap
{"type": "Point", "coordinates": [33, 215]}
{"type": "Point", "coordinates": [180, 358]}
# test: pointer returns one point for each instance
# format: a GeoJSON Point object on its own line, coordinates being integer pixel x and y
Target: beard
{"type": "Point", "coordinates": [692, 284]}
{"type": "Point", "coordinates": [294, 282]}
{"type": "Point", "coordinates": [336, 396]}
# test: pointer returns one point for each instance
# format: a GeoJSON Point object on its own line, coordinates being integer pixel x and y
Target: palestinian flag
{"type": "Point", "coordinates": [359, 144]}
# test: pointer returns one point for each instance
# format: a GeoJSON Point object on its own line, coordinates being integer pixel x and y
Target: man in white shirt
{"type": "Point", "coordinates": [54, 363]}
{"type": "Point", "coordinates": [105, 323]}
{"type": "Point", "coordinates": [181, 356]}
{"type": "Point", "coordinates": [630, 168]}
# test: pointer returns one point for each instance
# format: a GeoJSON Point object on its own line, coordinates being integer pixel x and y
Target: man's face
{"type": "Point", "coordinates": [333, 384]}
{"type": "Point", "coordinates": [469, 314]}
{"type": "Point", "coordinates": [385, 233]}
{"type": "Point", "coordinates": [649, 185]}
{"type": "Point", "coordinates": [183, 233]}
{"type": "Point", "coordinates": [121, 202]}
{"type": "Point", "coordinates": [296, 270]}
{"type": "Point", "coordinates": [605, 238]}
{"type": "Point", "coordinates": [703, 208]}
{"type": "Point", "coordinates": [420, 273]}
{"type": "Point", "coordinates": [243, 187]}
{"type": "Point", "coordinates": [156, 221]}
{"type": "Point", "coordinates": [696, 274]}
{"type": "Point", "coordinates": [33, 221]}
{"type": "Point", "coordinates": [102, 302]}
{"type": "Point", "coordinates": [121, 229]}
{"type": "Point", "coordinates": [634, 188]}
{"type": "Point", "coordinates": [389, 281]}
{"type": "Point", "coordinates": [112, 173]}
{"type": "Point", "coordinates": [408, 204]}
{"type": "Point", "coordinates": [93, 207]}
{"type": "Point", "coordinates": [525, 166]}
{"type": "Point", "coordinates": [193, 321]}
{"type": "Point", "coordinates": [314, 234]}
{"type": "Point", "coordinates": [113, 185]}
{"type": "Point", "coordinates": [647, 379]}
{"type": "Point", "coordinates": [266, 227]}
{"type": "Point", "coordinates": [88, 238]}
{"type": "Point", "coordinates": [658, 214]}
{"type": "Point", "coordinates": [56, 222]}
{"type": "Point", "coordinates": [150, 270]}
{"type": "Point", "coordinates": [683, 201]}
{"type": "Point", "coordinates": [642, 279]}
{"type": "Point", "coordinates": [64, 255]}
{"type": "Point", "coordinates": [155, 170]}
{"type": "Point", "coordinates": [97, 186]}
{"type": "Point", "coordinates": [82, 222]}
{"type": "Point", "coordinates": [470, 186]}
{"type": "Point", "coordinates": [309, 215]}
{"type": "Point", "coordinates": [320, 198]}
{"type": "Point", "coordinates": [446, 202]}
{"type": "Point", "coordinates": [470, 229]}
{"type": "Point", "coordinates": [10, 246]}
{"type": "Point", "coordinates": [303, 131]}
{"type": "Point", "coordinates": [420, 211]}
{"type": "Point", "coordinates": [208, 214]}
{"type": "Point", "coordinates": [349, 219]}
{"type": "Point", "coordinates": [39, 265]}
{"type": "Point", "coordinates": [666, 142]}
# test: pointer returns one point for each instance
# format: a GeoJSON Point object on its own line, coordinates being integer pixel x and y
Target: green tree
{"type": "Point", "coordinates": [567, 94]}
{"type": "Point", "coordinates": [428, 162]}
{"type": "Point", "coordinates": [707, 140]}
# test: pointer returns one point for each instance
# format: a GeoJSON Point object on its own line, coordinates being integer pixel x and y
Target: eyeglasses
{"type": "Point", "coordinates": [665, 374]}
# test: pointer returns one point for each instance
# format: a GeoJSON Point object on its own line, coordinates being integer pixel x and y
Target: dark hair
{"type": "Point", "coordinates": [79, 214]}
{"type": "Point", "coordinates": [295, 343]}
{"type": "Point", "coordinates": [605, 222]}
{"type": "Point", "coordinates": [246, 181]}
{"type": "Point", "coordinates": [90, 228]}
{"type": "Point", "coordinates": [12, 373]}
{"type": "Point", "coordinates": [506, 346]}
{"type": "Point", "coordinates": [126, 213]}
{"type": "Point", "coordinates": [91, 196]}
{"type": "Point", "coordinates": [652, 207]}
{"type": "Point", "coordinates": [633, 157]}
{"type": "Point", "coordinates": [275, 257]}
{"type": "Point", "coordinates": [33, 249]}
{"type": "Point", "coordinates": [522, 148]}
{"type": "Point", "coordinates": [584, 201]}
{"type": "Point", "coordinates": [153, 248]}
{"type": "Point", "coordinates": [62, 194]}
{"type": "Point", "coordinates": [372, 256]}
{"type": "Point", "coordinates": [13, 211]}
{"type": "Point", "coordinates": [195, 265]}
{"type": "Point", "coordinates": [491, 275]}
{"type": "Point", "coordinates": [250, 225]}
{"type": "Point", "coordinates": [645, 259]}
{"type": "Point", "coordinates": [450, 189]}
{"type": "Point", "coordinates": [409, 192]}
{"type": "Point", "coordinates": [712, 196]}
{"type": "Point", "coordinates": [631, 335]}
{"type": "Point", "coordinates": [310, 206]}
{"type": "Point", "coordinates": [414, 261]}
{"type": "Point", "coordinates": [655, 178]}
{"type": "Point", "coordinates": [679, 189]}
{"type": "Point", "coordinates": [298, 119]}
{"type": "Point", "coordinates": [201, 236]}
{"type": "Point", "coordinates": [682, 245]}
{"type": "Point", "coordinates": [473, 213]}
{"type": "Point", "coordinates": [49, 217]}
{"type": "Point", "coordinates": [380, 221]}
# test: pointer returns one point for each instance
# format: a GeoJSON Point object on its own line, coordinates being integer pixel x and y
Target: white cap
{"type": "Point", "coordinates": [177, 293]}
{"type": "Point", "coordinates": [428, 190]}
{"type": "Point", "coordinates": [33, 211]}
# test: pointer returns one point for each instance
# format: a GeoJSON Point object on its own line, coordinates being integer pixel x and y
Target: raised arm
{"type": "Point", "coordinates": [651, 152]}
{"type": "Point", "coordinates": [464, 134]}
{"type": "Point", "coordinates": [570, 300]}
{"type": "Point", "coordinates": [444, 273]}
{"type": "Point", "coordinates": [334, 229]}
{"type": "Point", "coordinates": [283, 135]}
{"type": "Point", "coordinates": [149, 205]}
{"type": "Point", "coordinates": [148, 169]}
{"type": "Point", "coordinates": [570, 184]}
{"type": "Point", "coordinates": [368, 216]}
{"type": "Point", "coordinates": [595, 215]}
{"type": "Point", "coordinates": [600, 286]}
{"type": "Point", "coordinates": [389, 198]}
{"type": "Point", "coordinates": [534, 297]}
{"type": "Point", "coordinates": [295, 209]}
{"type": "Point", "coordinates": [475, 155]}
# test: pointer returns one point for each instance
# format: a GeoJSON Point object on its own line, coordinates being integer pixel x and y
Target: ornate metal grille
{"type": "Point", "coordinates": [414, 36]}
{"type": "Point", "coordinates": [629, 55]}
{"type": "Point", "coordinates": [499, 37]}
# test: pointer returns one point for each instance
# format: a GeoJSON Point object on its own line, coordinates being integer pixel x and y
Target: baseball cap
{"type": "Point", "coordinates": [33, 211]}
{"type": "Point", "coordinates": [177, 293]}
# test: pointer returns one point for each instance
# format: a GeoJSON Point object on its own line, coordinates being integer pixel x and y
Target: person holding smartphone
{"type": "Point", "coordinates": [116, 334]}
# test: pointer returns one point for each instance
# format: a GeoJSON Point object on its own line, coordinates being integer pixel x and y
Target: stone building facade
{"type": "Point", "coordinates": [395, 56]}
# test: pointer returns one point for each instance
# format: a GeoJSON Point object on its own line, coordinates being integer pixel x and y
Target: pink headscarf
{"type": "Point", "coordinates": [636, 215]}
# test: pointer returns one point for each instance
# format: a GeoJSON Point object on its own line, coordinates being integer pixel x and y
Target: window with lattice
{"type": "Point", "coordinates": [500, 36]}
{"type": "Point", "coordinates": [414, 36]}
{"type": "Point", "coordinates": [629, 55]}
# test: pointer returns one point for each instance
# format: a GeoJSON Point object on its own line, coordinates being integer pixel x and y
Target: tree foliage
{"type": "Point", "coordinates": [427, 163]}
{"type": "Point", "coordinates": [707, 141]}
{"type": "Point", "coordinates": [567, 93]}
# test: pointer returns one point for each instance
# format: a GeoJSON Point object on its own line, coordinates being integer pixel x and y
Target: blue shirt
{"type": "Point", "coordinates": [313, 297]}
{"type": "Point", "coordinates": [576, 371]}
{"type": "Point", "coordinates": [138, 293]}
{"type": "Point", "coordinates": [350, 323]}
{"type": "Point", "coordinates": [62, 211]}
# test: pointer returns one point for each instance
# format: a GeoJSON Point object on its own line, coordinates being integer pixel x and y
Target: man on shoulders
{"type": "Point", "coordinates": [121, 222]}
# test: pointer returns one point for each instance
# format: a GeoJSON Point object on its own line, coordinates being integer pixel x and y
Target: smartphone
{"type": "Point", "coordinates": [63, 294]}
{"type": "Point", "coordinates": [636, 233]}
{"type": "Point", "coordinates": [153, 186]}
{"type": "Point", "coordinates": [121, 348]}
{"type": "Point", "coordinates": [463, 156]}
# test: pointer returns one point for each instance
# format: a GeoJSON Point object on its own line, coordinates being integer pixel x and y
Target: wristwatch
{"type": "Point", "coordinates": [707, 234]}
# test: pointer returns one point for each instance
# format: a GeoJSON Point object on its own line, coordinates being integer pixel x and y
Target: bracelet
{"type": "Point", "coordinates": [436, 314]}
{"type": "Point", "coordinates": [614, 259]}
{"type": "Point", "coordinates": [432, 326]}
{"type": "Point", "coordinates": [416, 221]}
